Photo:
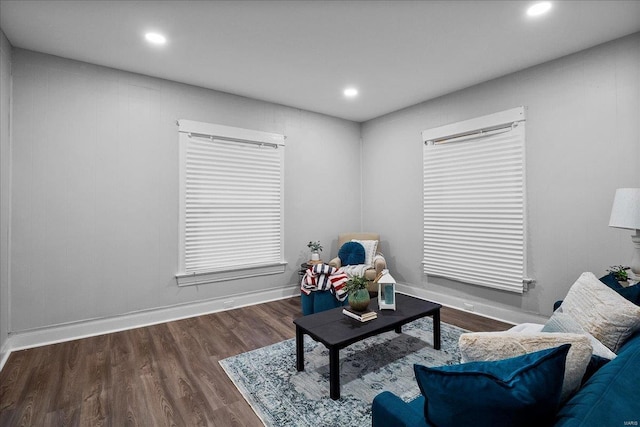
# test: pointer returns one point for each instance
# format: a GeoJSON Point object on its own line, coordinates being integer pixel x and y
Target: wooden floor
{"type": "Point", "coordinates": [160, 375]}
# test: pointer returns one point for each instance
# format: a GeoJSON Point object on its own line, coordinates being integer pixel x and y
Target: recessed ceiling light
{"type": "Point", "coordinates": [155, 38]}
{"type": "Point", "coordinates": [539, 8]}
{"type": "Point", "coordinates": [350, 92]}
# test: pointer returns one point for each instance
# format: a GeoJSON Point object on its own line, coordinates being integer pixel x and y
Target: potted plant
{"type": "Point", "coordinates": [620, 273]}
{"type": "Point", "coordinates": [316, 248]}
{"type": "Point", "coordinates": [358, 293]}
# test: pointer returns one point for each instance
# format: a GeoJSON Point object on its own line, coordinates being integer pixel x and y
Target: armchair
{"type": "Point", "coordinates": [378, 263]}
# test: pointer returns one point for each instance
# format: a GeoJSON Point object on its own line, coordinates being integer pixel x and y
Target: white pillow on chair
{"type": "Point", "coordinates": [370, 248]}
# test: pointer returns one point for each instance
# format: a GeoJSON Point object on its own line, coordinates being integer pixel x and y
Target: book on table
{"type": "Point", "coordinates": [364, 316]}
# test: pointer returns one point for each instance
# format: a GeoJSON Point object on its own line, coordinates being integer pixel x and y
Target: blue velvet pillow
{"type": "Point", "coordinates": [632, 293]}
{"type": "Point", "coordinates": [611, 281]}
{"type": "Point", "coordinates": [596, 362]}
{"type": "Point", "coordinates": [520, 391]}
{"type": "Point", "coordinates": [351, 253]}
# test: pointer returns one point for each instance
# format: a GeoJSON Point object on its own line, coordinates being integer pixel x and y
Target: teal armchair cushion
{"type": "Point", "coordinates": [351, 253]}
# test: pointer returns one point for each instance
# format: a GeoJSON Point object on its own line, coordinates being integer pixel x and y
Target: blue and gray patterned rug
{"type": "Point", "coordinates": [281, 396]}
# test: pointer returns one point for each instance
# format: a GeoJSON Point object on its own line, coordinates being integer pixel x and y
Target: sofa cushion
{"type": "Point", "coordinates": [610, 397]}
{"type": "Point", "coordinates": [520, 391]}
{"type": "Point", "coordinates": [388, 410]}
{"type": "Point", "coordinates": [351, 253]}
{"type": "Point", "coordinates": [601, 311]}
{"type": "Point", "coordinates": [562, 322]}
{"type": "Point", "coordinates": [485, 346]}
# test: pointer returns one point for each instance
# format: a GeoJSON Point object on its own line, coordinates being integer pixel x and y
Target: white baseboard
{"type": "Point", "coordinates": [4, 355]}
{"type": "Point", "coordinates": [90, 328]}
{"type": "Point", "coordinates": [503, 314]}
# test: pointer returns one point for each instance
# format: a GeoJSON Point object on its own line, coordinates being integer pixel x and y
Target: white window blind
{"type": "Point", "coordinates": [231, 202]}
{"type": "Point", "coordinates": [474, 201]}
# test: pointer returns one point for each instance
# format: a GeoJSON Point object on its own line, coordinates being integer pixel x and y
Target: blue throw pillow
{"type": "Point", "coordinates": [611, 281]}
{"type": "Point", "coordinates": [631, 293]}
{"type": "Point", "coordinates": [520, 391]}
{"type": "Point", "coordinates": [596, 362]}
{"type": "Point", "coordinates": [351, 253]}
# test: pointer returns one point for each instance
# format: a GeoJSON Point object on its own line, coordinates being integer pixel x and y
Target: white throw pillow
{"type": "Point", "coordinates": [487, 346]}
{"type": "Point", "coordinates": [370, 247]}
{"type": "Point", "coordinates": [562, 322]}
{"type": "Point", "coordinates": [601, 311]}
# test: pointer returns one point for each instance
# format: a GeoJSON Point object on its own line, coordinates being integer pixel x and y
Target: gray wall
{"type": "Point", "coordinates": [583, 142]}
{"type": "Point", "coordinates": [94, 191]}
{"type": "Point", "coordinates": [5, 189]}
{"type": "Point", "coordinates": [95, 188]}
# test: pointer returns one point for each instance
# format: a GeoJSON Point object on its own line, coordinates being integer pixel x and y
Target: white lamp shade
{"type": "Point", "coordinates": [626, 209]}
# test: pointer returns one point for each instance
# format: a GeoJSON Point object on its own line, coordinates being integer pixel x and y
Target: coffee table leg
{"type": "Point", "coordinates": [334, 373]}
{"type": "Point", "coordinates": [299, 349]}
{"type": "Point", "coordinates": [436, 330]}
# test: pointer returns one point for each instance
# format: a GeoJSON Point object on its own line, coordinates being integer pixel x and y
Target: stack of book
{"type": "Point", "coordinates": [364, 316]}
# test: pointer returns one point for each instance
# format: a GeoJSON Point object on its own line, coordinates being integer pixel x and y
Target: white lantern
{"type": "Point", "coordinates": [386, 291]}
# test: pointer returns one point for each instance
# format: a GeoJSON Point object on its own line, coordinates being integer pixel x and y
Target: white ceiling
{"type": "Point", "coordinates": [304, 53]}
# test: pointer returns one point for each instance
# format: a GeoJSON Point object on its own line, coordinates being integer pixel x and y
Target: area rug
{"type": "Point", "coordinates": [281, 396]}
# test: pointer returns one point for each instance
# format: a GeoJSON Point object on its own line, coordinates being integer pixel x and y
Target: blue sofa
{"type": "Point", "coordinates": [610, 397]}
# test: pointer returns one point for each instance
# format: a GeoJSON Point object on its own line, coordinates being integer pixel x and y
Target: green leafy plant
{"type": "Point", "coordinates": [356, 283]}
{"type": "Point", "coordinates": [619, 272]}
{"type": "Point", "coordinates": [315, 246]}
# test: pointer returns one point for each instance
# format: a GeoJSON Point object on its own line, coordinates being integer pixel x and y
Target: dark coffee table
{"type": "Point", "coordinates": [336, 330]}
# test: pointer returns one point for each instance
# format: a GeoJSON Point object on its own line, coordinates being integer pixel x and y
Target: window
{"type": "Point", "coordinates": [231, 203]}
{"type": "Point", "coordinates": [474, 201]}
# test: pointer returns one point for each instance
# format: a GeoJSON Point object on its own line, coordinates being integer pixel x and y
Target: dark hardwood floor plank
{"type": "Point", "coordinates": [178, 364]}
{"type": "Point", "coordinates": [223, 326]}
{"type": "Point", "coordinates": [236, 415]}
{"type": "Point", "coordinates": [31, 404]}
{"type": "Point", "coordinates": [159, 397]}
{"type": "Point", "coordinates": [200, 370]}
{"type": "Point", "coordinates": [160, 375]}
{"type": "Point", "coordinates": [13, 379]}
{"type": "Point", "coordinates": [95, 396]}
{"type": "Point", "coordinates": [65, 403]}
{"type": "Point", "coordinates": [471, 321]}
{"type": "Point", "coordinates": [122, 389]}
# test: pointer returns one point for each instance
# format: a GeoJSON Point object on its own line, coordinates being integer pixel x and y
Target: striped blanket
{"type": "Point", "coordinates": [323, 277]}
